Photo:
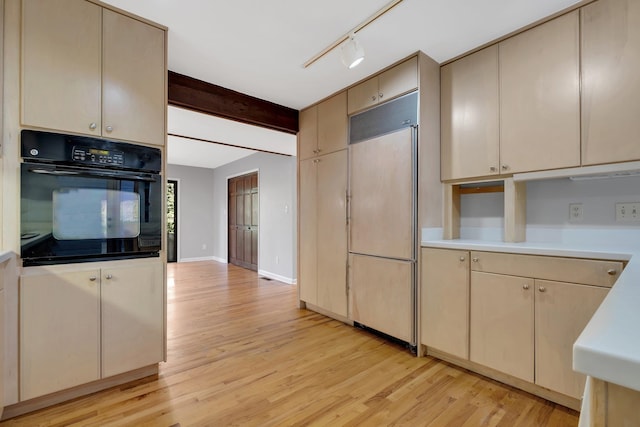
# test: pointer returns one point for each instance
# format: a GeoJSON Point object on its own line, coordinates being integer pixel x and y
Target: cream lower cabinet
{"type": "Point", "coordinates": [561, 313]}
{"type": "Point", "coordinates": [59, 331]}
{"type": "Point", "coordinates": [83, 324]}
{"type": "Point", "coordinates": [323, 232]}
{"type": "Point", "coordinates": [501, 329]}
{"type": "Point", "coordinates": [445, 301]}
{"type": "Point", "coordinates": [87, 69]}
{"type": "Point", "coordinates": [521, 314]}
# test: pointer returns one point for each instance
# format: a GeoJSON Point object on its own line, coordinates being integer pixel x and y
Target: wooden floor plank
{"type": "Point", "coordinates": [240, 352]}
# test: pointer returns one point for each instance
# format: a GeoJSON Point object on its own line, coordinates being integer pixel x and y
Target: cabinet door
{"type": "Point", "coordinates": [380, 294]}
{"type": "Point", "coordinates": [2, 333]}
{"type": "Point", "coordinates": [61, 65]}
{"type": "Point", "coordinates": [59, 331]}
{"type": "Point", "coordinates": [444, 304]}
{"type": "Point", "coordinates": [362, 96]}
{"type": "Point", "coordinates": [610, 84]}
{"type": "Point", "coordinates": [332, 124]}
{"type": "Point", "coordinates": [134, 87]}
{"type": "Point", "coordinates": [332, 232]}
{"type": "Point", "coordinates": [308, 134]}
{"type": "Point", "coordinates": [307, 229]}
{"type": "Point", "coordinates": [401, 79]}
{"type": "Point", "coordinates": [469, 120]}
{"type": "Point", "coordinates": [562, 312]}
{"type": "Point", "coordinates": [540, 97]}
{"type": "Point", "coordinates": [501, 331]}
{"type": "Point", "coordinates": [132, 317]}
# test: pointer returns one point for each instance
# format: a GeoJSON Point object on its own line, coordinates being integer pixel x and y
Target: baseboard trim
{"type": "Point", "coordinates": [222, 260]}
{"type": "Point", "coordinates": [36, 403]}
{"type": "Point", "coordinates": [279, 278]}
{"type": "Point", "coordinates": [564, 400]}
{"type": "Point", "coordinates": [197, 259]}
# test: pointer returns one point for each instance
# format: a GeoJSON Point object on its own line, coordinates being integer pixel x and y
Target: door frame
{"type": "Point", "coordinates": [226, 212]}
{"type": "Point", "coordinates": [178, 225]}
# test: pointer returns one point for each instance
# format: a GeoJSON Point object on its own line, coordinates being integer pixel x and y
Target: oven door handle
{"type": "Point", "coordinates": [94, 174]}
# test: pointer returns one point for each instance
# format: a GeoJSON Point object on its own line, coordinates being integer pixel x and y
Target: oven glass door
{"type": "Point", "coordinates": [72, 214]}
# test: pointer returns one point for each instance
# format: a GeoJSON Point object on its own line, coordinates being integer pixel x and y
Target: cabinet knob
{"type": "Point", "coordinates": [109, 128]}
{"type": "Point", "coordinates": [108, 276]}
{"type": "Point", "coordinates": [462, 258]}
{"type": "Point", "coordinates": [374, 97]}
{"type": "Point", "coordinates": [474, 259]}
{"type": "Point", "coordinates": [380, 95]}
{"type": "Point", "coordinates": [542, 289]}
{"type": "Point", "coordinates": [493, 169]}
{"type": "Point", "coordinates": [525, 286]}
{"type": "Point", "coordinates": [93, 278]}
{"type": "Point", "coordinates": [93, 126]}
{"type": "Point", "coordinates": [611, 272]}
{"type": "Point", "coordinates": [505, 167]}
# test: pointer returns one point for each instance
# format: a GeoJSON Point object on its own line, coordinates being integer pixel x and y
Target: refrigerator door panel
{"type": "Point", "coordinates": [382, 195]}
{"type": "Point", "coordinates": [381, 294]}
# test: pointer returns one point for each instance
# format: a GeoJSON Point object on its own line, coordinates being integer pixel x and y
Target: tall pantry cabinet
{"type": "Point", "coordinates": [322, 144]}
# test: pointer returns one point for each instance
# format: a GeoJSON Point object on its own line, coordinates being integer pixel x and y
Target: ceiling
{"type": "Point", "coordinates": [258, 47]}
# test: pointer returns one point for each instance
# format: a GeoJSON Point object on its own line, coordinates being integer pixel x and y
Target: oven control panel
{"type": "Point", "coordinates": [96, 156]}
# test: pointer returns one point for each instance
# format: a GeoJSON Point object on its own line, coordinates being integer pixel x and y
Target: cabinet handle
{"type": "Point", "coordinates": [525, 286]}
{"type": "Point", "coordinates": [542, 289]}
{"type": "Point", "coordinates": [474, 259]}
{"type": "Point", "coordinates": [462, 258]}
{"type": "Point", "coordinates": [93, 126]}
{"type": "Point", "coordinates": [493, 169]}
{"type": "Point", "coordinates": [505, 167]}
{"type": "Point", "coordinates": [612, 272]}
{"type": "Point", "coordinates": [93, 278]}
{"type": "Point", "coordinates": [380, 95]}
{"type": "Point", "coordinates": [108, 277]}
{"type": "Point", "coordinates": [109, 128]}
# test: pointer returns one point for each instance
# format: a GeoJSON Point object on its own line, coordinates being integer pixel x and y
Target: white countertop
{"type": "Point", "coordinates": [5, 256]}
{"type": "Point", "coordinates": [609, 346]}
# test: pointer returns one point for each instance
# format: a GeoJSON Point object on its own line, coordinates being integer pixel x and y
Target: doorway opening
{"type": "Point", "coordinates": [243, 208]}
{"type": "Point", "coordinates": [172, 221]}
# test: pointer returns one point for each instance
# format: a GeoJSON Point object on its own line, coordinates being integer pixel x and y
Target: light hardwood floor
{"type": "Point", "coordinates": [241, 353]}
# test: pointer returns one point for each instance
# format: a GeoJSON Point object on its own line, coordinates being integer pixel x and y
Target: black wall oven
{"type": "Point", "coordinates": [86, 199]}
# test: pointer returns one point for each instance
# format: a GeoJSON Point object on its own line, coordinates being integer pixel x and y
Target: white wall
{"type": "Point", "coordinates": [548, 210]}
{"type": "Point", "coordinates": [277, 235]}
{"type": "Point", "coordinates": [195, 212]}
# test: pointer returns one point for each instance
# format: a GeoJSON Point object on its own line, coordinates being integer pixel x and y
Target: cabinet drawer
{"type": "Point", "coordinates": [574, 270]}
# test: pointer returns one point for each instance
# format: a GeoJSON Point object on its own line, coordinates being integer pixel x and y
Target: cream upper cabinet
{"type": "Point", "coordinates": [59, 331]}
{"type": "Point", "coordinates": [323, 127]}
{"type": "Point", "coordinates": [444, 308]}
{"type": "Point", "coordinates": [62, 65]}
{"type": "Point", "coordinates": [133, 80]}
{"type": "Point", "coordinates": [92, 71]}
{"type": "Point", "coordinates": [132, 301]}
{"type": "Point", "coordinates": [323, 232]}
{"type": "Point", "coordinates": [562, 310]}
{"type": "Point", "coordinates": [502, 329]}
{"type": "Point", "coordinates": [540, 97]}
{"type": "Point", "coordinates": [610, 85]}
{"type": "Point", "coordinates": [469, 116]}
{"type": "Point", "coordinates": [396, 81]}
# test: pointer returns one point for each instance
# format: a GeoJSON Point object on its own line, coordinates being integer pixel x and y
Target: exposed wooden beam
{"type": "Point", "coordinates": [204, 97]}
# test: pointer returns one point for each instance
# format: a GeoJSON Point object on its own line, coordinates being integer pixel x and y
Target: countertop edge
{"type": "Point", "coordinates": [609, 346]}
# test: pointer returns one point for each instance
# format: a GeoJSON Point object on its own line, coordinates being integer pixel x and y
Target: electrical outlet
{"type": "Point", "coordinates": [277, 259]}
{"type": "Point", "coordinates": [204, 246]}
{"type": "Point", "coordinates": [576, 212]}
{"type": "Point", "coordinates": [628, 212]}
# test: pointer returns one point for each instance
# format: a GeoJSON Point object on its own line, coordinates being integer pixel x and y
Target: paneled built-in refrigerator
{"type": "Point", "coordinates": [383, 218]}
